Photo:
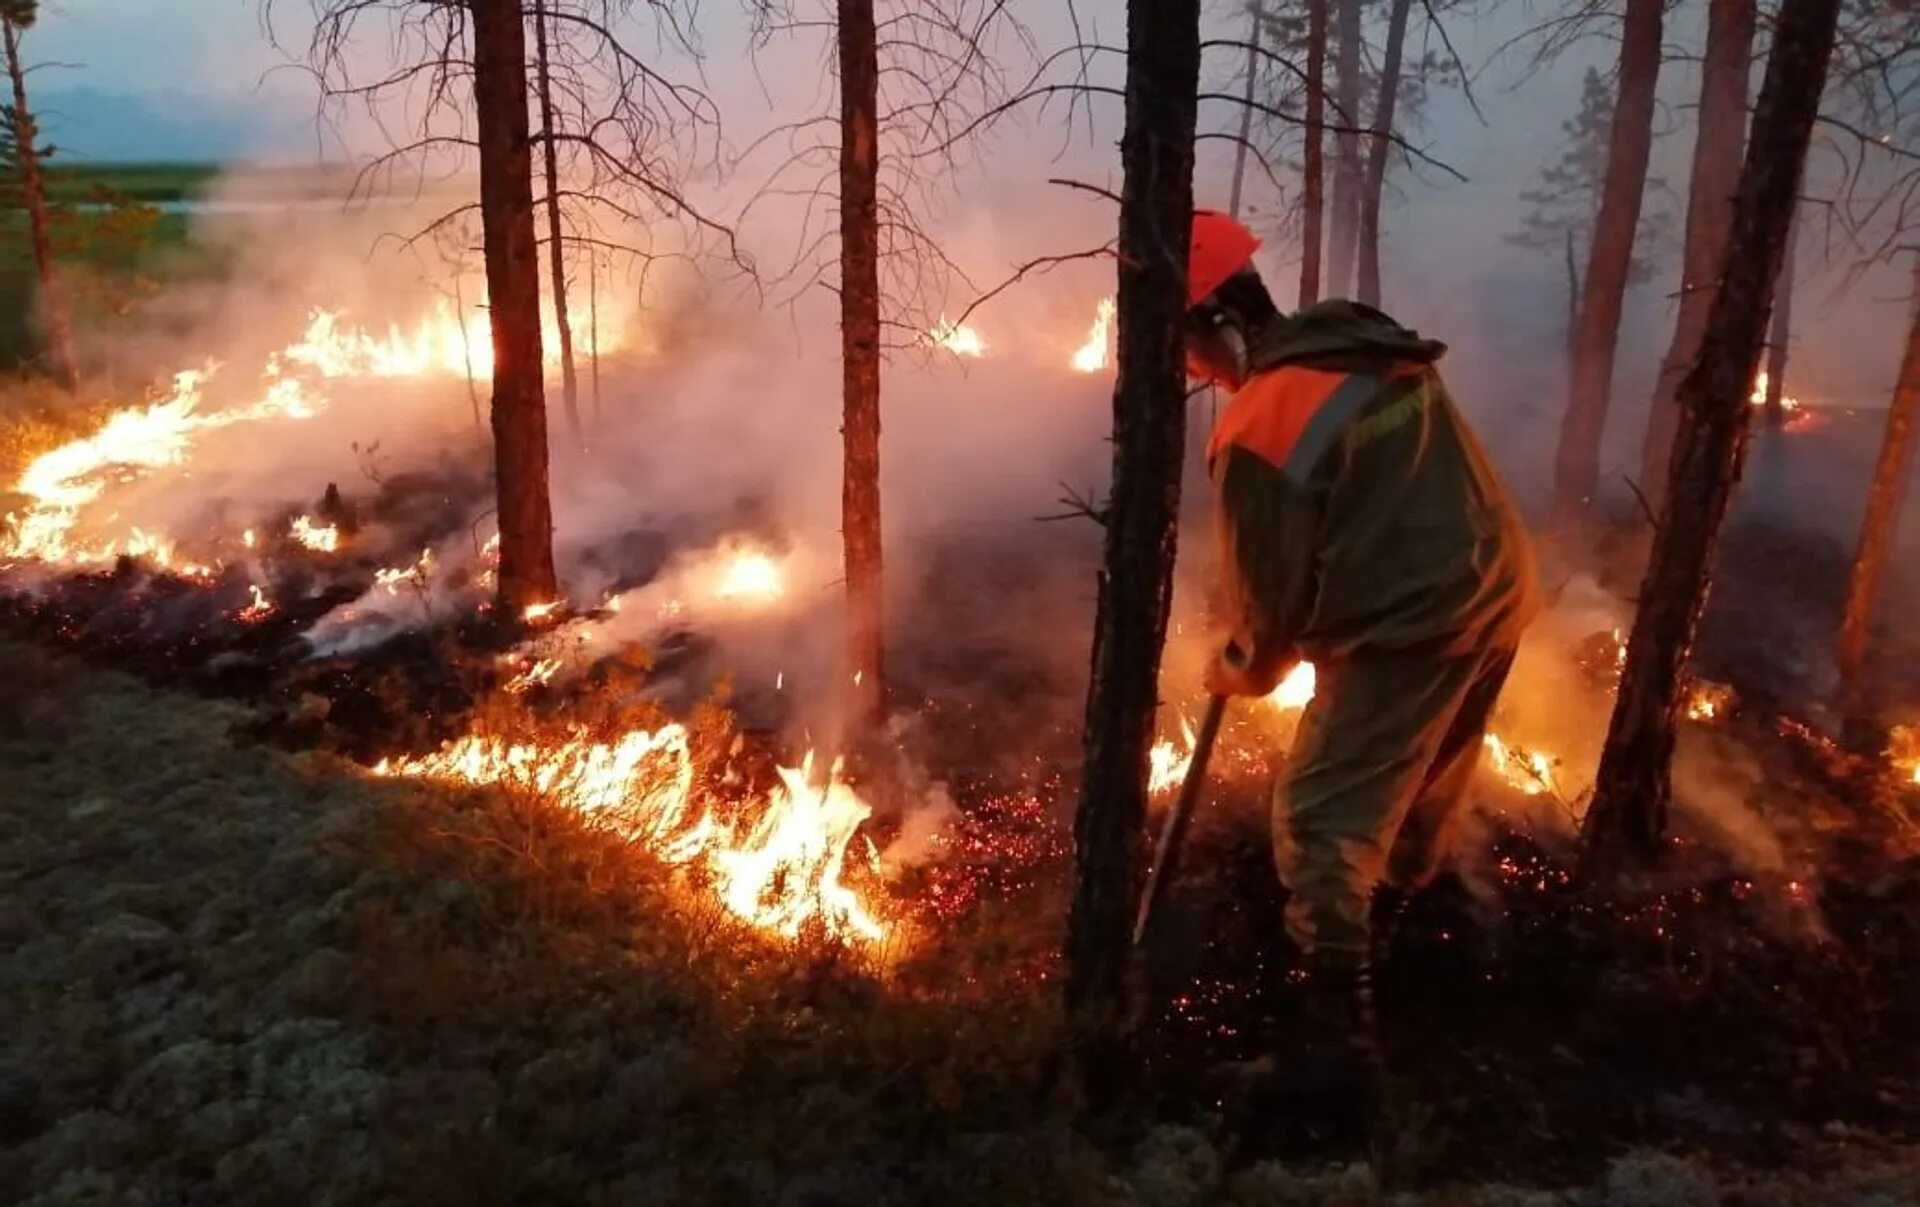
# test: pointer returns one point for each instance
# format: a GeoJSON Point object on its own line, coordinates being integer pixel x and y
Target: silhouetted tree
{"type": "Point", "coordinates": [17, 16]}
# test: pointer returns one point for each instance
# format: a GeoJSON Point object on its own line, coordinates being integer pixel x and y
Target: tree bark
{"type": "Point", "coordinates": [52, 296]}
{"type": "Point", "coordinates": [1722, 132]}
{"type": "Point", "coordinates": [569, 381]}
{"type": "Point", "coordinates": [1344, 228]}
{"type": "Point", "coordinates": [513, 304]}
{"type": "Point", "coordinates": [1877, 529]}
{"type": "Point", "coordinates": [466, 349]}
{"type": "Point", "coordinates": [1246, 108]}
{"type": "Point", "coordinates": [1376, 179]}
{"type": "Point", "coordinates": [1312, 160]}
{"type": "Point", "coordinates": [593, 329]}
{"type": "Point", "coordinates": [1136, 579]}
{"type": "Point", "coordinates": [1609, 262]}
{"type": "Point", "coordinates": [860, 350]}
{"type": "Point", "coordinates": [1634, 785]}
{"type": "Point", "coordinates": [1573, 297]}
{"type": "Point", "coordinates": [1781, 336]}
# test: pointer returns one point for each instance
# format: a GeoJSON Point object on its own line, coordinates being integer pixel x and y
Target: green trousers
{"type": "Point", "coordinates": [1373, 787]}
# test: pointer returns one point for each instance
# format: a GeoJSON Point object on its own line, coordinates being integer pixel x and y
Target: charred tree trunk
{"type": "Point", "coordinates": [1877, 530]}
{"type": "Point", "coordinates": [33, 187]}
{"type": "Point", "coordinates": [1136, 579]}
{"type": "Point", "coordinates": [1246, 108]}
{"type": "Point", "coordinates": [1573, 297]}
{"type": "Point", "coordinates": [513, 304]}
{"type": "Point", "coordinates": [1778, 339]}
{"type": "Point", "coordinates": [1313, 202]}
{"type": "Point", "coordinates": [1722, 132]}
{"type": "Point", "coordinates": [1381, 142]}
{"type": "Point", "coordinates": [1631, 794]}
{"type": "Point", "coordinates": [1609, 262]}
{"type": "Point", "coordinates": [860, 349]}
{"type": "Point", "coordinates": [1344, 228]}
{"type": "Point", "coordinates": [569, 381]}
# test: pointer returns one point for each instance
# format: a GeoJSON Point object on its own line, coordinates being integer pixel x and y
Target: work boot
{"type": "Point", "coordinates": [1321, 1089]}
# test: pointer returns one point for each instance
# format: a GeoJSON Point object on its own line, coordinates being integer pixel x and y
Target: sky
{"type": "Point", "coordinates": [199, 78]}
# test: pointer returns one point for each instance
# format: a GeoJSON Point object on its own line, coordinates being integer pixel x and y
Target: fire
{"type": "Point", "coordinates": [959, 340]}
{"type": "Point", "coordinates": [750, 575]}
{"type": "Point", "coordinates": [777, 867]}
{"type": "Point", "coordinates": [1758, 397]}
{"type": "Point", "coordinates": [1904, 750]}
{"type": "Point", "coordinates": [441, 343]}
{"type": "Point", "coordinates": [1095, 354]}
{"type": "Point", "coordinates": [259, 609]}
{"type": "Point", "coordinates": [391, 577]}
{"type": "Point", "coordinates": [537, 612]}
{"type": "Point", "coordinates": [1167, 764]}
{"type": "Point", "coordinates": [1296, 690]}
{"type": "Point", "coordinates": [1708, 701]}
{"type": "Point", "coordinates": [537, 675]}
{"type": "Point", "coordinates": [1526, 771]}
{"type": "Point", "coordinates": [321, 538]}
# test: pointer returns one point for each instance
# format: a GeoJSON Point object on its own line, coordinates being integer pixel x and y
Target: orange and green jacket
{"type": "Point", "coordinates": [1356, 509]}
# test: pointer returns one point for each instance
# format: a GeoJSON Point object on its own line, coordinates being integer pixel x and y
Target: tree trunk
{"type": "Point", "coordinates": [1312, 160]}
{"type": "Point", "coordinates": [860, 349]}
{"type": "Point", "coordinates": [1376, 180]}
{"type": "Point", "coordinates": [1136, 579]}
{"type": "Point", "coordinates": [52, 297]}
{"type": "Point", "coordinates": [1344, 227]}
{"type": "Point", "coordinates": [1782, 335]}
{"type": "Point", "coordinates": [1573, 298]}
{"type": "Point", "coordinates": [1722, 132]}
{"type": "Point", "coordinates": [569, 381]}
{"type": "Point", "coordinates": [1246, 108]}
{"type": "Point", "coordinates": [1610, 260]}
{"type": "Point", "coordinates": [1877, 529]}
{"type": "Point", "coordinates": [1629, 812]}
{"type": "Point", "coordinates": [466, 349]}
{"type": "Point", "coordinates": [593, 328]}
{"type": "Point", "coordinates": [513, 304]}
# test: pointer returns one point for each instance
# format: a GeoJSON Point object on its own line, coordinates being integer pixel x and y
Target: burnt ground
{"type": "Point", "coordinates": [247, 978]}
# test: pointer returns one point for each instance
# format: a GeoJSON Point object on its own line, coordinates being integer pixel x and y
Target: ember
{"type": "Point", "coordinates": [259, 609]}
{"type": "Point", "coordinates": [776, 866]}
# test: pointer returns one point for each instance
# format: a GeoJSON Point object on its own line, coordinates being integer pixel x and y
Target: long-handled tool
{"type": "Point", "coordinates": [1166, 853]}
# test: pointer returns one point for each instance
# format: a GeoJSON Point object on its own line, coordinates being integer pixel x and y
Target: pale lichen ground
{"type": "Point", "coordinates": [232, 976]}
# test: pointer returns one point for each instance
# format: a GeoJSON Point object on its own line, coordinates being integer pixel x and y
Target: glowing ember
{"type": "Point", "coordinates": [1167, 764]}
{"type": "Point", "coordinates": [1296, 690]}
{"type": "Point", "coordinates": [778, 869]}
{"type": "Point", "coordinates": [538, 612]}
{"type": "Point", "coordinates": [750, 575]}
{"type": "Point", "coordinates": [1904, 751]}
{"type": "Point", "coordinates": [1526, 771]}
{"type": "Point", "coordinates": [321, 538]}
{"type": "Point", "coordinates": [961, 341]}
{"type": "Point", "coordinates": [1095, 354]}
{"type": "Point", "coordinates": [1708, 701]}
{"type": "Point", "coordinates": [259, 609]}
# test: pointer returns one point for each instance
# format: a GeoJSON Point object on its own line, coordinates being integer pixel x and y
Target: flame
{"type": "Point", "coordinates": [391, 577]}
{"type": "Point", "coordinates": [1758, 397]}
{"type": "Point", "coordinates": [537, 675]}
{"type": "Point", "coordinates": [1904, 750]}
{"type": "Point", "coordinates": [1708, 701]}
{"type": "Point", "coordinates": [248, 539]}
{"type": "Point", "coordinates": [537, 612]}
{"type": "Point", "coordinates": [750, 575]}
{"type": "Point", "coordinates": [777, 866]}
{"type": "Point", "coordinates": [959, 340]}
{"type": "Point", "coordinates": [440, 343]}
{"type": "Point", "coordinates": [1095, 354]}
{"type": "Point", "coordinates": [1296, 690]}
{"type": "Point", "coordinates": [321, 538]}
{"type": "Point", "coordinates": [1167, 764]}
{"type": "Point", "coordinates": [258, 610]}
{"type": "Point", "coordinates": [1526, 771]}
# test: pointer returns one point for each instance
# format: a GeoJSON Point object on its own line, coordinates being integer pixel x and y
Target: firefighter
{"type": "Point", "coordinates": [1362, 529]}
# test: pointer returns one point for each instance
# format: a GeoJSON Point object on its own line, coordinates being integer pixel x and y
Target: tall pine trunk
{"type": "Point", "coordinates": [1382, 141]}
{"type": "Point", "coordinates": [1313, 202]}
{"type": "Point", "coordinates": [52, 296]}
{"type": "Point", "coordinates": [1781, 336]}
{"type": "Point", "coordinates": [569, 381]}
{"type": "Point", "coordinates": [1344, 227]}
{"type": "Point", "coordinates": [513, 304]}
{"type": "Point", "coordinates": [1878, 528]}
{"type": "Point", "coordinates": [1634, 785]}
{"type": "Point", "coordinates": [860, 349]}
{"type": "Point", "coordinates": [1721, 134]}
{"type": "Point", "coordinates": [1609, 262]}
{"type": "Point", "coordinates": [1136, 578]}
{"type": "Point", "coordinates": [1246, 108]}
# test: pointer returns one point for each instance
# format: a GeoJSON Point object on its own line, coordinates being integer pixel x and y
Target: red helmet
{"type": "Point", "coordinates": [1221, 247]}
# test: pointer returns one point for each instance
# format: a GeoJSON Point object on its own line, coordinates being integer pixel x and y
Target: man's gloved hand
{"type": "Point", "coordinates": [1229, 673]}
